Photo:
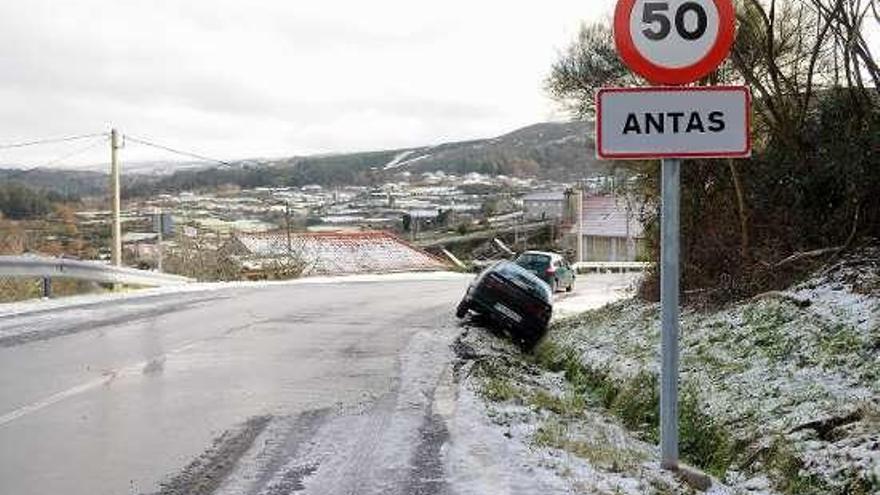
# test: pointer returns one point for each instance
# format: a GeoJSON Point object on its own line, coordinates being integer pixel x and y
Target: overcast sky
{"type": "Point", "coordinates": [237, 79]}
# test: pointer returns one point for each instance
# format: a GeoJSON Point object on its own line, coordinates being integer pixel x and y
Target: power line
{"type": "Point", "coordinates": [77, 152]}
{"type": "Point", "coordinates": [67, 156]}
{"type": "Point", "coordinates": [176, 151]}
{"type": "Point", "coordinates": [49, 141]}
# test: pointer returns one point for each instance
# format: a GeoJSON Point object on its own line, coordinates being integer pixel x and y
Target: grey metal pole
{"type": "Point", "coordinates": [579, 218]}
{"type": "Point", "coordinates": [116, 227]}
{"type": "Point", "coordinates": [160, 239]}
{"type": "Point", "coordinates": [287, 226]}
{"type": "Point", "coordinates": [669, 300]}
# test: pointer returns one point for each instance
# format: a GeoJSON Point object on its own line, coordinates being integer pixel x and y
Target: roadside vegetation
{"type": "Point", "coordinates": [566, 432]}
{"type": "Point", "coordinates": [45, 223]}
{"type": "Point", "coordinates": [21, 289]}
{"type": "Point", "coordinates": [780, 378]}
{"type": "Point", "coordinates": [785, 385]}
{"type": "Point", "coordinates": [809, 191]}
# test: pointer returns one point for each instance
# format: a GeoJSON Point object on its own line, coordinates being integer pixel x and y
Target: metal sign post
{"type": "Point", "coordinates": [672, 42]}
{"type": "Point", "coordinates": [669, 277]}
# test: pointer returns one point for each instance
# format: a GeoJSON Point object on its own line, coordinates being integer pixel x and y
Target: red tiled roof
{"type": "Point", "coordinates": [334, 253]}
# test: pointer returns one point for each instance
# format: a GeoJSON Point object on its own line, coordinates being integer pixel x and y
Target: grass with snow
{"type": "Point", "coordinates": [562, 424]}
{"type": "Point", "coordinates": [787, 384]}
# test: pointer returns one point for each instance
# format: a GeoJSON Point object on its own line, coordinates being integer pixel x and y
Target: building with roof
{"type": "Point", "coordinates": [328, 253]}
{"type": "Point", "coordinates": [609, 229]}
{"type": "Point", "coordinates": [544, 205]}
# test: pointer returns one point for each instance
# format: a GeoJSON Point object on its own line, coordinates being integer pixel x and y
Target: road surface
{"type": "Point", "coordinates": [314, 388]}
{"type": "Point", "coordinates": [320, 388]}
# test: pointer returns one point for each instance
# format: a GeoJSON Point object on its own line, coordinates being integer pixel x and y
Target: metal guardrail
{"type": "Point", "coordinates": [49, 268]}
{"type": "Point", "coordinates": [487, 234]}
{"type": "Point", "coordinates": [611, 266]}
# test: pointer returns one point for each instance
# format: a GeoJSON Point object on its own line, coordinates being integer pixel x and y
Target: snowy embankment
{"type": "Point", "coordinates": [783, 388]}
{"type": "Point", "coordinates": [521, 429]}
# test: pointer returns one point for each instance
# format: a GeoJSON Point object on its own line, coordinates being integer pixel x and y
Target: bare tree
{"type": "Point", "coordinates": [199, 258]}
{"type": "Point", "coordinates": [588, 64]}
{"type": "Point", "coordinates": [812, 181]}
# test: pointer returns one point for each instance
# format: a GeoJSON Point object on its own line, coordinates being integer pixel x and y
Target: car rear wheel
{"type": "Point", "coordinates": [462, 310]}
{"type": "Point", "coordinates": [570, 287]}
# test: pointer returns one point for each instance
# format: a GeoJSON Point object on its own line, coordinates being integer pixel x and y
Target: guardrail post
{"type": "Point", "coordinates": [46, 287]}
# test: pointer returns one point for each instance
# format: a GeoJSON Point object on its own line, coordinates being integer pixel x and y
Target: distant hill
{"type": "Point", "coordinates": [547, 150]}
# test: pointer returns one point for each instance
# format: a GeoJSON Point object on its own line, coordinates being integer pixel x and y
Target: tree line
{"type": "Point", "coordinates": [19, 202]}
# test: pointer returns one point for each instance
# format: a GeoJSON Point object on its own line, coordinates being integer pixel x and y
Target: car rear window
{"type": "Point", "coordinates": [524, 279]}
{"type": "Point", "coordinates": [533, 261]}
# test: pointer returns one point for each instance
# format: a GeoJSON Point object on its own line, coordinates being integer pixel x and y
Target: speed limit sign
{"type": "Point", "coordinates": [674, 41]}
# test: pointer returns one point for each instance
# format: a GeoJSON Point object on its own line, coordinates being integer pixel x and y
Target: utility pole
{"type": "Point", "coordinates": [414, 226]}
{"type": "Point", "coordinates": [579, 218]}
{"type": "Point", "coordinates": [161, 222]}
{"type": "Point", "coordinates": [287, 222]}
{"type": "Point", "coordinates": [516, 235]}
{"type": "Point", "coordinates": [115, 203]}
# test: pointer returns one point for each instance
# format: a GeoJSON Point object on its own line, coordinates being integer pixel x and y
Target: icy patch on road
{"type": "Point", "coordinates": [383, 445]}
{"type": "Point", "coordinates": [204, 474]}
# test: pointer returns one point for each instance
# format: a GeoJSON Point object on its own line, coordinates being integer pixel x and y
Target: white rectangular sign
{"type": "Point", "coordinates": [670, 122]}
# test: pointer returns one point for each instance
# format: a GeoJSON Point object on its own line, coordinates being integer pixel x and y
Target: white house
{"type": "Point", "coordinates": [609, 229]}
{"type": "Point", "coordinates": [544, 205]}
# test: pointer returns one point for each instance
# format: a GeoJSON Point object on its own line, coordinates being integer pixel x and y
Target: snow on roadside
{"type": "Point", "coordinates": [518, 429]}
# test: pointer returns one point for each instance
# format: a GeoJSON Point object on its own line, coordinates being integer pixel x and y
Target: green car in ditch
{"type": "Point", "coordinates": [549, 267]}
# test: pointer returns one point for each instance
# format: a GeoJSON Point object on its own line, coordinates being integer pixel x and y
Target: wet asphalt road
{"type": "Point", "coordinates": [284, 389]}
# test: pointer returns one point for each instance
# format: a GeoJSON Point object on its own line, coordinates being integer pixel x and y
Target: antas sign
{"type": "Point", "coordinates": [704, 122]}
{"type": "Point", "coordinates": [673, 41]}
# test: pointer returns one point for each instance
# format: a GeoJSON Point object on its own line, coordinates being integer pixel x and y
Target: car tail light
{"type": "Point", "coordinates": [551, 270]}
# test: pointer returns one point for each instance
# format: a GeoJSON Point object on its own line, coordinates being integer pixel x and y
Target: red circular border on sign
{"type": "Point", "coordinates": [658, 74]}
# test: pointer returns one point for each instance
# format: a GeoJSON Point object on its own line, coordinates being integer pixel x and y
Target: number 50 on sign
{"type": "Point", "coordinates": [673, 41]}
